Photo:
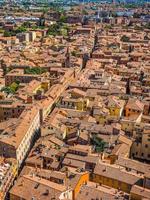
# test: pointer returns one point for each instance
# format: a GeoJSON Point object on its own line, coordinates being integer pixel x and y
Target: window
{"type": "Point", "coordinates": [132, 154]}
{"type": "Point", "coordinates": [146, 145]}
{"type": "Point", "coordinates": [142, 154]}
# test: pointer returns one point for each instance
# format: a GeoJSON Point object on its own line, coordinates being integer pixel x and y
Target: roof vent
{"type": "Point", "coordinates": [104, 170]}
{"type": "Point", "coordinates": [36, 186]}
{"type": "Point", "coordinates": [46, 193]}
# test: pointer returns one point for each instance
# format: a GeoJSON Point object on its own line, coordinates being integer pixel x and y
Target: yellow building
{"type": "Point", "coordinates": [114, 177]}
{"type": "Point", "coordinates": [45, 86]}
{"type": "Point", "coordinates": [115, 106]}
{"type": "Point", "coordinates": [101, 115]}
{"type": "Point", "coordinates": [128, 123]}
{"type": "Point", "coordinates": [139, 193]}
{"type": "Point", "coordinates": [81, 104]}
{"type": "Point", "coordinates": [78, 104]}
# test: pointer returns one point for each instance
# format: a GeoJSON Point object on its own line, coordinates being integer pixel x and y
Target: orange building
{"type": "Point", "coordinates": [133, 107]}
{"type": "Point", "coordinates": [83, 178]}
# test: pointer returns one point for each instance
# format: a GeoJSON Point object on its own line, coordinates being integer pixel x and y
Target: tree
{"type": "Point", "coordinates": [114, 14]}
{"type": "Point", "coordinates": [7, 34]}
{"type": "Point", "coordinates": [125, 38]}
{"type": "Point", "coordinates": [138, 27]}
{"type": "Point", "coordinates": [27, 24]}
{"type": "Point", "coordinates": [34, 70]}
{"type": "Point", "coordinates": [63, 19]}
{"type": "Point", "coordinates": [21, 29]}
{"type": "Point", "coordinates": [98, 143]}
{"type": "Point", "coordinates": [12, 88]}
{"type": "Point", "coordinates": [58, 29]}
{"type": "Point", "coordinates": [108, 26]}
{"type": "Point", "coordinates": [74, 53]}
{"type": "Point", "coordinates": [147, 26]}
{"type": "Point", "coordinates": [54, 29]}
{"type": "Point", "coordinates": [64, 32]}
{"type": "Point", "coordinates": [84, 12]}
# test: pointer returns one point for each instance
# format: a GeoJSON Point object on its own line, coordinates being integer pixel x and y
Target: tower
{"type": "Point", "coordinates": [128, 86]}
{"type": "Point", "coordinates": [67, 61]}
{"type": "Point", "coordinates": [84, 60]}
{"type": "Point", "coordinates": [141, 76]}
{"type": "Point", "coordinates": [3, 66]}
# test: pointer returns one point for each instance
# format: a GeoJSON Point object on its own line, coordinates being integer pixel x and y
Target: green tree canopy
{"type": "Point", "coordinates": [34, 70]}
{"type": "Point", "coordinates": [125, 38]}
{"type": "Point", "coordinates": [12, 88]}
